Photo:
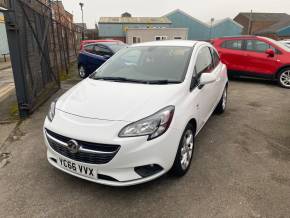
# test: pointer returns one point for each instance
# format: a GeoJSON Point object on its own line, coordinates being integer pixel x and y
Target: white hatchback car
{"type": "Point", "coordinates": [136, 117]}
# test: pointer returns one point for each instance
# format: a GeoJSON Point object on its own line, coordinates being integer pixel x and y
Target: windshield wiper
{"type": "Point", "coordinates": [119, 79]}
{"type": "Point", "coordinates": [163, 82]}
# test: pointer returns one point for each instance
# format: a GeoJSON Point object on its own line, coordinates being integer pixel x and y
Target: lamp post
{"type": "Point", "coordinates": [211, 24]}
{"type": "Point", "coordinates": [83, 34]}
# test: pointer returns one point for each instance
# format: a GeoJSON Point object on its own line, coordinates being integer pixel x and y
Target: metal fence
{"type": "Point", "coordinates": [41, 48]}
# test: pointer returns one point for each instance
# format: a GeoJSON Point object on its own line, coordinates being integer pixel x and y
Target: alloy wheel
{"type": "Point", "coordinates": [187, 149]}
{"type": "Point", "coordinates": [285, 78]}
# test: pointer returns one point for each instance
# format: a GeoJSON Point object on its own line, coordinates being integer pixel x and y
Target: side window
{"type": "Point", "coordinates": [204, 62]}
{"type": "Point", "coordinates": [102, 50]}
{"type": "Point", "coordinates": [233, 44]}
{"type": "Point", "coordinates": [215, 57]}
{"type": "Point", "coordinates": [258, 46]}
{"type": "Point", "coordinates": [89, 48]}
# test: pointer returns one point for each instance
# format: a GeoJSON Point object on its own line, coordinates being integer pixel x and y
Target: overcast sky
{"type": "Point", "coordinates": [200, 9]}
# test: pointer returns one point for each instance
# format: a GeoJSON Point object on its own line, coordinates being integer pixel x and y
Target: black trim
{"type": "Point", "coordinates": [232, 73]}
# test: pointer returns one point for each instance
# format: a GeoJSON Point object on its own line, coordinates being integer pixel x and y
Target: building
{"type": "Point", "coordinates": [4, 49]}
{"type": "Point", "coordinates": [256, 22]}
{"type": "Point", "coordinates": [137, 35]}
{"type": "Point", "coordinates": [61, 15]}
{"type": "Point", "coordinates": [198, 30]}
{"type": "Point", "coordinates": [116, 27]}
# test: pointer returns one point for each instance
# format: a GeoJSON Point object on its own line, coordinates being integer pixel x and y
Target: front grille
{"type": "Point", "coordinates": [95, 153]}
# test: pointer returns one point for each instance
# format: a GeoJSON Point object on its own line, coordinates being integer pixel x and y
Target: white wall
{"type": "Point", "coordinates": [147, 35]}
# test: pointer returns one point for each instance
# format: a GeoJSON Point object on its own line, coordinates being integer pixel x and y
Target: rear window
{"type": "Point", "coordinates": [233, 44]}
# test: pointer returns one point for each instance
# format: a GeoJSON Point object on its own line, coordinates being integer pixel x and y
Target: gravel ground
{"type": "Point", "coordinates": [241, 168]}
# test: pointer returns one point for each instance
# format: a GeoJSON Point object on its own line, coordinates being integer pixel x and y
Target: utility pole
{"type": "Point", "coordinates": [83, 34]}
{"type": "Point", "coordinates": [250, 23]}
{"type": "Point", "coordinates": [210, 30]}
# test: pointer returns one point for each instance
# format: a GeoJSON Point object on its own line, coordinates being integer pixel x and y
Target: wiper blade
{"type": "Point", "coordinates": [119, 79]}
{"type": "Point", "coordinates": [162, 82]}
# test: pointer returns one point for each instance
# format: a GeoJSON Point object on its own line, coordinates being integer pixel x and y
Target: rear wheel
{"type": "Point", "coordinates": [284, 78]}
{"type": "Point", "coordinates": [184, 153]}
{"type": "Point", "coordinates": [221, 107]}
{"type": "Point", "coordinates": [82, 72]}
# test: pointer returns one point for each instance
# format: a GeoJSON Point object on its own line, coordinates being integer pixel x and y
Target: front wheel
{"type": "Point", "coordinates": [82, 72]}
{"type": "Point", "coordinates": [184, 153]}
{"type": "Point", "coordinates": [221, 107]}
{"type": "Point", "coordinates": [284, 78]}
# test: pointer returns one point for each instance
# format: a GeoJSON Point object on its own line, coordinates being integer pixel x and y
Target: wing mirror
{"type": "Point", "coordinates": [270, 52]}
{"type": "Point", "coordinates": [207, 78]}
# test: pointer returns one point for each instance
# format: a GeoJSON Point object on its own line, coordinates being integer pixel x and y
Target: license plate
{"type": "Point", "coordinates": [77, 168]}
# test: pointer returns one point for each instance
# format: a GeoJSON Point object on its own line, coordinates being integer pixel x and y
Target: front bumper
{"type": "Point", "coordinates": [133, 152]}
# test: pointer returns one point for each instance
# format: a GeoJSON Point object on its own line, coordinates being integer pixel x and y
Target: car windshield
{"type": "Point", "coordinates": [115, 46]}
{"type": "Point", "coordinates": [280, 44]}
{"type": "Point", "coordinates": [148, 64]}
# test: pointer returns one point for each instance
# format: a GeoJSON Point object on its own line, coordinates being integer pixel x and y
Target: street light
{"type": "Point", "coordinates": [83, 34]}
{"type": "Point", "coordinates": [211, 24]}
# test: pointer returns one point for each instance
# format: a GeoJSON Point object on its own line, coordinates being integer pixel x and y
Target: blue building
{"type": "Point", "coordinates": [116, 27]}
{"type": "Point", "coordinates": [198, 30]}
{"type": "Point", "coordinates": [4, 49]}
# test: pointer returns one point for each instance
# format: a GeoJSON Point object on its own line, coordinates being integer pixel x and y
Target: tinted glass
{"type": "Point", "coordinates": [89, 48]}
{"type": "Point", "coordinates": [102, 50]}
{"type": "Point", "coordinates": [204, 61]}
{"type": "Point", "coordinates": [257, 46]}
{"type": "Point", "coordinates": [115, 46]}
{"type": "Point", "coordinates": [216, 58]}
{"type": "Point", "coordinates": [233, 44]}
{"type": "Point", "coordinates": [148, 63]}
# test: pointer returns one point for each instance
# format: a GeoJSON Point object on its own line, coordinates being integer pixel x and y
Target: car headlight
{"type": "Point", "coordinates": [153, 126]}
{"type": "Point", "coordinates": [51, 111]}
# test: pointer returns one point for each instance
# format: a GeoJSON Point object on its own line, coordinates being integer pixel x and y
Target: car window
{"type": "Point", "coordinates": [258, 46]}
{"type": "Point", "coordinates": [215, 57]}
{"type": "Point", "coordinates": [204, 62]}
{"type": "Point", "coordinates": [102, 50]}
{"type": "Point", "coordinates": [233, 44]}
{"type": "Point", "coordinates": [148, 63]}
{"type": "Point", "coordinates": [89, 48]}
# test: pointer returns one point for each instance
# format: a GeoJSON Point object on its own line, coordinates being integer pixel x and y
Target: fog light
{"type": "Point", "coordinates": [148, 170]}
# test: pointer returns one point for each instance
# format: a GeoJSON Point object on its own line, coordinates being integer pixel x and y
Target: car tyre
{"type": "Point", "coordinates": [184, 153]}
{"type": "Point", "coordinates": [284, 78]}
{"type": "Point", "coordinates": [82, 72]}
{"type": "Point", "coordinates": [221, 107]}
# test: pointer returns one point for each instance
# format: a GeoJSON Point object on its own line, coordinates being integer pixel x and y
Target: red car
{"type": "Point", "coordinates": [255, 56]}
{"type": "Point", "coordinates": [85, 42]}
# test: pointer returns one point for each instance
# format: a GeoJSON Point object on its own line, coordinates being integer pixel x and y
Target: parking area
{"type": "Point", "coordinates": [241, 168]}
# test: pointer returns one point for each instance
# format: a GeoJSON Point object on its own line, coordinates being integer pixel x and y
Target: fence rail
{"type": "Point", "coordinates": [41, 48]}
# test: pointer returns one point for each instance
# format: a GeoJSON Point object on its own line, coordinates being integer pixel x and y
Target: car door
{"type": "Point", "coordinates": [257, 61]}
{"type": "Point", "coordinates": [102, 54]}
{"type": "Point", "coordinates": [204, 96]}
{"type": "Point", "coordinates": [232, 54]}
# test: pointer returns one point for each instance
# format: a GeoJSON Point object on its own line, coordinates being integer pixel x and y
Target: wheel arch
{"type": "Point", "coordinates": [281, 68]}
{"type": "Point", "coordinates": [193, 123]}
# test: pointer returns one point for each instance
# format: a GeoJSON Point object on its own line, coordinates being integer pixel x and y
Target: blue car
{"type": "Point", "coordinates": [92, 56]}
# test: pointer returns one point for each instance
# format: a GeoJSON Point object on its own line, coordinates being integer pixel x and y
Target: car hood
{"type": "Point", "coordinates": [117, 101]}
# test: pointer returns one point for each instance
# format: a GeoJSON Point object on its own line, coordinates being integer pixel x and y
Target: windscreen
{"type": "Point", "coordinates": [147, 63]}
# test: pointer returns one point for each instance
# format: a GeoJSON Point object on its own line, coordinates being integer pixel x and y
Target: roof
{"type": "Point", "coordinates": [143, 20]}
{"type": "Point", "coordinates": [276, 27]}
{"type": "Point", "coordinates": [82, 25]}
{"type": "Point", "coordinates": [186, 43]}
{"type": "Point", "coordinates": [217, 22]}
{"type": "Point", "coordinates": [264, 16]}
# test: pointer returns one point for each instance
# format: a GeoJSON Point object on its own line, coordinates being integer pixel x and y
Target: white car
{"type": "Point", "coordinates": [136, 117]}
{"type": "Point", "coordinates": [286, 42]}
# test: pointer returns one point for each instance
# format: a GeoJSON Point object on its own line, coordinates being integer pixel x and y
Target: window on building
{"type": "Point", "coordinates": [177, 37]}
{"type": "Point", "coordinates": [158, 38]}
{"type": "Point", "coordinates": [233, 44]}
{"type": "Point", "coordinates": [136, 39]}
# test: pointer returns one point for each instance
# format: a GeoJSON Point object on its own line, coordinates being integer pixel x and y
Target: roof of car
{"type": "Point", "coordinates": [186, 43]}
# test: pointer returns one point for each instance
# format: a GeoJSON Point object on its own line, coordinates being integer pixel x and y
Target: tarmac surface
{"type": "Point", "coordinates": [241, 168]}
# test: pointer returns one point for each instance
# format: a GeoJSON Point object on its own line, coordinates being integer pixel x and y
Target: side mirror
{"type": "Point", "coordinates": [270, 52]}
{"type": "Point", "coordinates": [207, 78]}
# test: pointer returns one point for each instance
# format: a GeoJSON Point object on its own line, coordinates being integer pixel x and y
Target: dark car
{"type": "Point", "coordinates": [92, 56]}
{"type": "Point", "coordinates": [255, 56]}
